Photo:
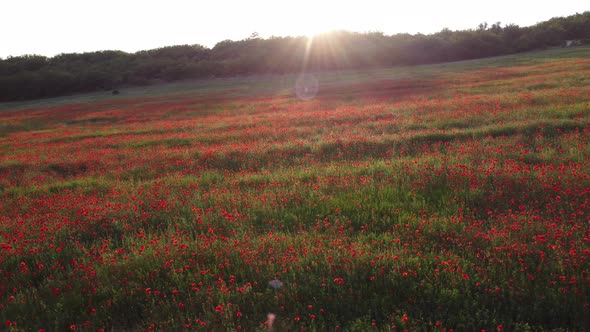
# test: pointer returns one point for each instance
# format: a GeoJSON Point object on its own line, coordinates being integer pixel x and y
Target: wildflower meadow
{"type": "Point", "coordinates": [453, 197]}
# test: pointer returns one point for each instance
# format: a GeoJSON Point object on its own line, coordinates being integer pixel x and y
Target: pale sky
{"type": "Point", "coordinates": [50, 27]}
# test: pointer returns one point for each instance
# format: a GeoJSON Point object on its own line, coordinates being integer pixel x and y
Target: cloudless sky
{"type": "Point", "coordinates": [50, 27]}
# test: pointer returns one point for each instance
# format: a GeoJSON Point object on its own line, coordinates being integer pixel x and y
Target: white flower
{"type": "Point", "coordinates": [275, 283]}
{"type": "Point", "coordinates": [271, 318]}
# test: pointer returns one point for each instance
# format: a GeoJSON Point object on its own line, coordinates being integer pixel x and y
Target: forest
{"type": "Point", "coordinates": [35, 76]}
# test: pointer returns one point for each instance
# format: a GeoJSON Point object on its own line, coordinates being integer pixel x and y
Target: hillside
{"type": "Point", "coordinates": [433, 197]}
{"type": "Point", "coordinates": [33, 76]}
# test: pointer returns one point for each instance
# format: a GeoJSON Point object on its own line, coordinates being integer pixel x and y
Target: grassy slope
{"type": "Point", "coordinates": [451, 194]}
{"type": "Point", "coordinates": [283, 84]}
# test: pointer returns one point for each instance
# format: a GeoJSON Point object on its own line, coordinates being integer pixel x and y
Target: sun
{"type": "Point", "coordinates": [316, 29]}
{"type": "Point", "coordinates": [315, 22]}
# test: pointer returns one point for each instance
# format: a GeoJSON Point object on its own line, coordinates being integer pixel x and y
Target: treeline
{"type": "Point", "coordinates": [35, 76]}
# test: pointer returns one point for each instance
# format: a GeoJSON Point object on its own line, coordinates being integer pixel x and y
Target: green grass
{"type": "Point", "coordinates": [458, 199]}
{"type": "Point", "coordinates": [282, 85]}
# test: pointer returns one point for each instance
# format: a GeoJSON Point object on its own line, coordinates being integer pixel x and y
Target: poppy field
{"type": "Point", "coordinates": [457, 199]}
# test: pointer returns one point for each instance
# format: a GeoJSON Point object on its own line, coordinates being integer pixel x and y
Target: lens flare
{"type": "Point", "coordinates": [306, 86]}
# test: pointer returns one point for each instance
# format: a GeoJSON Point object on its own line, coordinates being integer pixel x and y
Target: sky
{"type": "Point", "coordinates": [50, 27]}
